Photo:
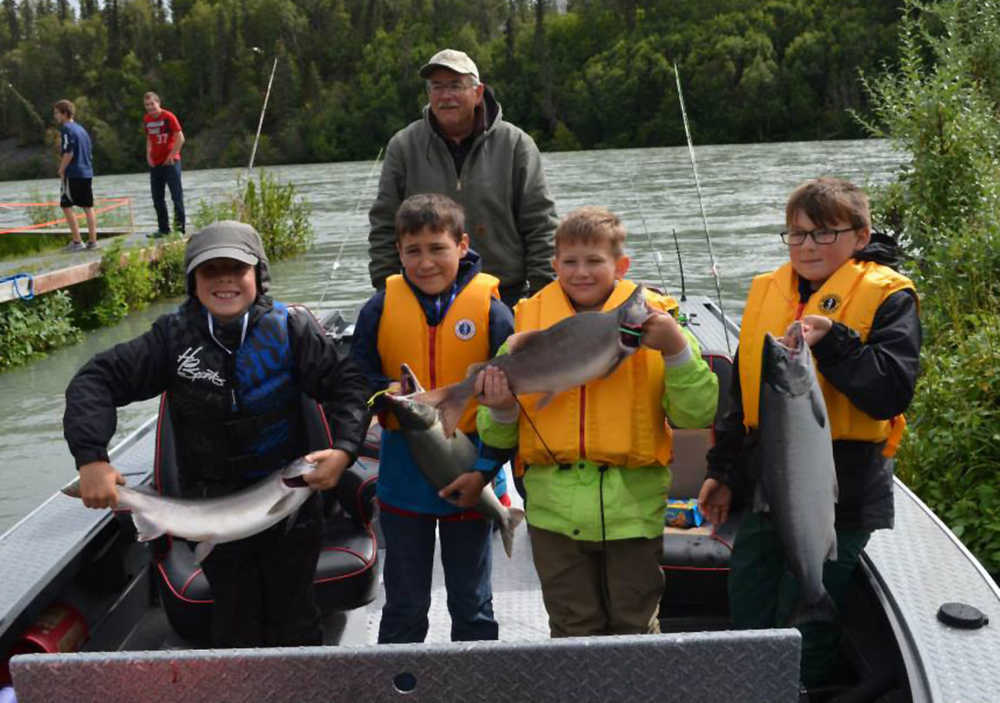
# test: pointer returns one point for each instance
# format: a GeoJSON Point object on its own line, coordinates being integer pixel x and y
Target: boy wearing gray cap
{"type": "Point", "coordinates": [233, 364]}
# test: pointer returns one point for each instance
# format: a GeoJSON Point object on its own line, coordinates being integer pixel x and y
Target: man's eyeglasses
{"type": "Point", "coordinates": [797, 237]}
{"type": "Point", "coordinates": [451, 87]}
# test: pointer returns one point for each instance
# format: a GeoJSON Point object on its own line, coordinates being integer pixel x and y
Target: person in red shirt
{"type": "Point", "coordinates": [164, 140]}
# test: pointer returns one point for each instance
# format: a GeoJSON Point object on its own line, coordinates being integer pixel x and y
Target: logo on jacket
{"type": "Point", "coordinates": [465, 329]}
{"type": "Point", "coordinates": [189, 367]}
{"type": "Point", "coordinates": [830, 303]}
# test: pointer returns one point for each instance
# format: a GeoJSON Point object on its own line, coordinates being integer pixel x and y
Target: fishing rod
{"type": "Point", "coordinates": [680, 265]}
{"type": "Point", "coordinates": [701, 206]}
{"type": "Point", "coordinates": [29, 108]}
{"type": "Point", "coordinates": [260, 122]}
{"type": "Point", "coordinates": [343, 237]}
{"type": "Point", "coordinates": [649, 239]}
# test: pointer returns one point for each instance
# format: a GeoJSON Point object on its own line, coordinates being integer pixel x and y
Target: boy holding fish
{"type": "Point", "coordinates": [614, 365]}
{"type": "Point", "coordinates": [439, 316]}
{"type": "Point", "coordinates": [859, 318]}
{"type": "Point", "coordinates": [233, 364]}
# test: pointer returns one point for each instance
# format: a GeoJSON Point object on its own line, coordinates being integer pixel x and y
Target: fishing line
{"type": "Point", "coordinates": [649, 239]}
{"type": "Point", "coordinates": [701, 206]}
{"type": "Point", "coordinates": [535, 429]}
{"type": "Point", "coordinates": [343, 237]}
{"type": "Point", "coordinates": [260, 122]}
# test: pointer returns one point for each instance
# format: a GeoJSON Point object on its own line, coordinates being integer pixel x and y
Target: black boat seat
{"type": "Point", "coordinates": [705, 547]}
{"type": "Point", "coordinates": [345, 572]}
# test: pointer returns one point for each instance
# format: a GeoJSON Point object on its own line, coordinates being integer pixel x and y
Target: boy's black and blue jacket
{"type": "Point", "coordinates": [400, 483]}
{"type": "Point", "coordinates": [234, 397]}
{"type": "Point", "coordinates": [879, 378]}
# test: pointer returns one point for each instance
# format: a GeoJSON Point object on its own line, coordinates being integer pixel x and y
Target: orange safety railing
{"type": "Point", "coordinates": [114, 204]}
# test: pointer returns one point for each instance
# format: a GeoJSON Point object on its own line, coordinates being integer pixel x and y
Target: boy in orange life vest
{"type": "Point", "coordinates": [439, 316]}
{"type": "Point", "coordinates": [597, 455]}
{"type": "Point", "coordinates": [860, 320]}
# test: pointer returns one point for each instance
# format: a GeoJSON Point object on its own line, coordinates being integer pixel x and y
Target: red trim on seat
{"type": "Point", "coordinates": [173, 590]}
{"type": "Point", "coordinates": [367, 562]}
{"type": "Point", "coordinates": [191, 578]}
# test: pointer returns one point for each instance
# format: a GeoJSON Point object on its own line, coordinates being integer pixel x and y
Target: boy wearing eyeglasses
{"type": "Point", "coordinates": [860, 320]}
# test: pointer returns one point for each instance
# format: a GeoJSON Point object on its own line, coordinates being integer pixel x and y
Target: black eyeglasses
{"type": "Point", "coordinates": [797, 237]}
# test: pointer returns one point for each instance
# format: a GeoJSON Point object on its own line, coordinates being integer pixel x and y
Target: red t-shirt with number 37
{"type": "Point", "coordinates": [161, 131]}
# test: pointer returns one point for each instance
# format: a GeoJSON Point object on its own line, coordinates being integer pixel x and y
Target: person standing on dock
{"type": "Point", "coordinates": [164, 139]}
{"type": "Point", "coordinates": [463, 148]}
{"type": "Point", "coordinates": [76, 171]}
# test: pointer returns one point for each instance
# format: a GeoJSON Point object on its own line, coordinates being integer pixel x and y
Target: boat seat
{"type": "Point", "coordinates": [703, 547]}
{"type": "Point", "coordinates": [346, 569]}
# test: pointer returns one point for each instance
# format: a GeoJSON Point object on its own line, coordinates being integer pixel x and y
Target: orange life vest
{"type": "Point", "coordinates": [617, 420]}
{"type": "Point", "coordinates": [850, 296]}
{"type": "Point", "coordinates": [442, 354]}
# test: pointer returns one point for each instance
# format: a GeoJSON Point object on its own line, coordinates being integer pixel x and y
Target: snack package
{"type": "Point", "coordinates": [683, 513]}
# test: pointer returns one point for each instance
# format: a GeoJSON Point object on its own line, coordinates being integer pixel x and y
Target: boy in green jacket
{"type": "Point", "coordinates": [595, 457]}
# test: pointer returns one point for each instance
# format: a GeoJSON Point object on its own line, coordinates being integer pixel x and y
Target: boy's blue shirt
{"type": "Point", "coordinates": [76, 141]}
{"type": "Point", "coordinates": [401, 484]}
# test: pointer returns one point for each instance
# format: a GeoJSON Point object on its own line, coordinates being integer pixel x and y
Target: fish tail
{"type": "Point", "coordinates": [146, 529]}
{"type": "Point", "coordinates": [450, 402]}
{"type": "Point", "coordinates": [72, 489]}
{"type": "Point", "coordinates": [511, 520]}
{"type": "Point", "coordinates": [822, 610]}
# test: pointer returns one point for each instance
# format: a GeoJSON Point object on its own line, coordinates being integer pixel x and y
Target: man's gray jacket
{"type": "Point", "coordinates": [509, 214]}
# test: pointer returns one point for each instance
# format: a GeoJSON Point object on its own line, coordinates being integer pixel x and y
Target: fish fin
{"type": "Point", "coordinates": [818, 407]}
{"type": "Point", "coordinates": [544, 400]}
{"type": "Point", "coordinates": [450, 402]}
{"type": "Point", "coordinates": [72, 489]}
{"type": "Point", "coordinates": [202, 551]}
{"type": "Point", "coordinates": [760, 504]}
{"type": "Point", "coordinates": [519, 339]}
{"type": "Point", "coordinates": [510, 522]}
{"type": "Point", "coordinates": [823, 610]}
{"type": "Point", "coordinates": [145, 529]}
{"type": "Point", "coordinates": [280, 504]}
{"type": "Point", "coordinates": [290, 520]}
{"type": "Point", "coordinates": [831, 554]}
{"type": "Point", "coordinates": [476, 368]}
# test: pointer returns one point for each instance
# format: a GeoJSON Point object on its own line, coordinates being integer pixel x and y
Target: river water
{"type": "Point", "coordinates": [744, 189]}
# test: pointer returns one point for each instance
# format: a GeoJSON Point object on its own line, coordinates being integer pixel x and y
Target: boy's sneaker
{"type": "Point", "coordinates": [93, 245]}
{"type": "Point", "coordinates": [74, 246]}
{"type": "Point", "coordinates": [156, 235]}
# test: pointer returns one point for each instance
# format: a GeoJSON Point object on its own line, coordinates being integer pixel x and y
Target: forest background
{"type": "Point", "coordinates": [587, 74]}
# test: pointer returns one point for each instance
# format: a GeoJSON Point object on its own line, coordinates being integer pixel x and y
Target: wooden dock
{"type": "Point", "coordinates": [54, 270]}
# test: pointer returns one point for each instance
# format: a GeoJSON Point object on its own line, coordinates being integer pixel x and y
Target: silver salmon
{"type": "Point", "coordinates": [441, 458]}
{"type": "Point", "coordinates": [798, 478]}
{"type": "Point", "coordinates": [213, 521]}
{"type": "Point", "coordinates": [570, 353]}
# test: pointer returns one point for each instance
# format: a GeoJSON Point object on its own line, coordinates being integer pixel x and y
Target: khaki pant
{"type": "Point", "coordinates": [595, 589]}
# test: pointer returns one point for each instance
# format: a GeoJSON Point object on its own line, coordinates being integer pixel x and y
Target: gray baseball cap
{"type": "Point", "coordinates": [457, 61]}
{"type": "Point", "coordinates": [226, 239]}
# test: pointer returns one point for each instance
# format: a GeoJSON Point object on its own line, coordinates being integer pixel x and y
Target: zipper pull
{"type": "Point", "coordinates": [458, 185]}
{"type": "Point", "coordinates": [236, 405]}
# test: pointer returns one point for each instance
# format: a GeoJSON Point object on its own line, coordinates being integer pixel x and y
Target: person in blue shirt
{"type": "Point", "coordinates": [76, 171]}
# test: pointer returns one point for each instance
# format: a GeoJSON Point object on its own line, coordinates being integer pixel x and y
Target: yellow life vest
{"type": "Point", "coordinates": [850, 296]}
{"type": "Point", "coordinates": [442, 354]}
{"type": "Point", "coordinates": [617, 420]}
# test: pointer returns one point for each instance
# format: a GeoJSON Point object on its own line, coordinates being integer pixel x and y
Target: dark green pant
{"type": "Point", "coordinates": [763, 593]}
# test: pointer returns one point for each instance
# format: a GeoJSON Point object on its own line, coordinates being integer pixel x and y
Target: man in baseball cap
{"type": "Point", "coordinates": [463, 148]}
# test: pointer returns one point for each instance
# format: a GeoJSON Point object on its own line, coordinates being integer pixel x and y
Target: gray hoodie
{"type": "Point", "coordinates": [509, 214]}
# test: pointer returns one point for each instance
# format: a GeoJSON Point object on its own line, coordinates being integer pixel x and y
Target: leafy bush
{"type": "Point", "coordinates": [30, 328]}
{"type": "Point", "coordinates": [941, 106]}
{"type": "Point", "coordinates": [127, 283]}
{"type": "Point", "coordinates": [274, 211]}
